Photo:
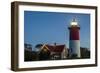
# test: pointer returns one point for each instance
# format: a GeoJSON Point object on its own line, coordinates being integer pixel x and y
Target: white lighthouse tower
{"type": "Point", "coordinates": [74, 42]}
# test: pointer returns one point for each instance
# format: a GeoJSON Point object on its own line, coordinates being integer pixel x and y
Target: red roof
{"type": "Point", "coordinates": [56, 48]}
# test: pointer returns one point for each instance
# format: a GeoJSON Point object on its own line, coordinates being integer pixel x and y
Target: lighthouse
{"type": "Point", "coordinates": [74, 39]}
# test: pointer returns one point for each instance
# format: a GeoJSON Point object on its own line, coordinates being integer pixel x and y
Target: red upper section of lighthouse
{"type": "Point", "coordinates": [74, 33]}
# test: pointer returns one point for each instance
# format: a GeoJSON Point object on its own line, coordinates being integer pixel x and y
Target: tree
{"type": "Point", "coordinates": [85, 53]}
{"type": "Point", "coordinates": [74, 56]}
{"type": "Point", "coordinates": [38, 45]}
{"type": "Point", "coordinates": [44, 55]}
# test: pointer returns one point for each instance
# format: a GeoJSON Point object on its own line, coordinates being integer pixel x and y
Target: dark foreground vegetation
{"type": "Point", "coordinates": [36, 56]}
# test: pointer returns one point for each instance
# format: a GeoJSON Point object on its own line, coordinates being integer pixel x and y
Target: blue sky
{"type": "Point", "coordinates": [51, 27]}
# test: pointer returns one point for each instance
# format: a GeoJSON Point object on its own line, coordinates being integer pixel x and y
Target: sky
{"type": "Point", "coordinates": [52, 27]}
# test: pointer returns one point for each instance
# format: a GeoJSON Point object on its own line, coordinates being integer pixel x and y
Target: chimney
{"type": "Point", "coordinates": [55, 44]}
